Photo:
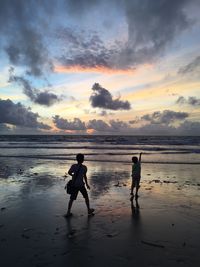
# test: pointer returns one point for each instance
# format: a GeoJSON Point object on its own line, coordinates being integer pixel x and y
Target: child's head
{"type": "Point", "coordinates": [134, 159]}
{"type": "Point", "coordinates": [80, 158]}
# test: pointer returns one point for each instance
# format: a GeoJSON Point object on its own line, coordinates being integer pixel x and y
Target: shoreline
{"type": "Point", "coordinates": [96, 160]}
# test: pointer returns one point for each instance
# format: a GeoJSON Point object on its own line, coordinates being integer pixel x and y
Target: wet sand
{"type": "Point", "coordinates": [162, 228]}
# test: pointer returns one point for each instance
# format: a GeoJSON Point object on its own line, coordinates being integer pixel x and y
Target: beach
{"type": "Point", "coordinates": [161, 228]}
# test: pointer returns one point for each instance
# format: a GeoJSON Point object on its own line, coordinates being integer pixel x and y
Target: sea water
{"type": "Point", "coordinates": [155, 149]}
{"type": "Point", "coordinates": [45, 160]}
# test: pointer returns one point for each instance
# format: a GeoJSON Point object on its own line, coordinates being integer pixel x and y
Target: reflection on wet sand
{"type": "Point", "coordinates": [135, 208]}
{"type": "Point", "coordinates": [79, 238]}
{"type": "Point", "coordinates": [12, 167]}
{"type": "Point", "coordinates": [22, 179]}
{"type": "Point", "coordinates": [35, 201]}
{"type": "Point", "coordinates": [103, 180]}
{"type": "Point", "coordinates": [136, 217]}
{"type": "Point", "coordinates": [36, 184]}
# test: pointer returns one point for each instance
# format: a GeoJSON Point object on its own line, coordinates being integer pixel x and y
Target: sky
{"type": "Point", "coordinates": [128, 67]}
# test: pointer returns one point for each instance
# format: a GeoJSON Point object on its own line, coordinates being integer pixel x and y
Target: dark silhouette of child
{"type": "Point", "coordinates": [136, 175]}
{"type": "Point", "coordinates": [78, 172]}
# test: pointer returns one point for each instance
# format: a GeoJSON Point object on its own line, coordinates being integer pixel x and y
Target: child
{"type": "Point", "coordinates": [136, 175]}
{"type": "Point", "coordinates": [78, 172]}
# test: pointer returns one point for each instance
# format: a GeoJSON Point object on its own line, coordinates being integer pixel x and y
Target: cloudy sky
{"type": "Point", "coordinates": [100, 67]}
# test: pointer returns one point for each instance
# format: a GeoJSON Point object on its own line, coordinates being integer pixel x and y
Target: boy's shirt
{"type": "Point", "coordinates": [79, 172]}
{"type": "Point", "coordinates": [136, 170]}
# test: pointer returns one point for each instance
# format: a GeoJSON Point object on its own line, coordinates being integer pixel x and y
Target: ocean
{"type": "Point", "coordinates": [47, 158]}
{"type": "Point", "coordinates": [155, 149]}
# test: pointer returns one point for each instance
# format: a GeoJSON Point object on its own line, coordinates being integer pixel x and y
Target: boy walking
{"type": "Point", "coordinates": [78, 172]}
{"type": "Point", "coordinates": [136, 175]}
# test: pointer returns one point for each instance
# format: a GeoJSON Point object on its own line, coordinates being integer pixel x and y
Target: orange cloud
{"type": "Point", "coordinates": [101, 69]}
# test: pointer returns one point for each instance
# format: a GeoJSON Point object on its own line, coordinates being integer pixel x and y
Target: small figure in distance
{"type": "Point", "coordinates": [136, 175]}
{"type": "Point", "coordinates": [78, 172]}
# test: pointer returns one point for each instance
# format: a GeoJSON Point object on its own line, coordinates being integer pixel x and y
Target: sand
{"type": "Point", "coordinates": [161, 228]}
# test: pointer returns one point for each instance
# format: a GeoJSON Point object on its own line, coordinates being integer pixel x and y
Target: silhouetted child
{"type": "Point", "coordinates": [136, 175]}
{"type": "Point", "coordinates": [78, 172]}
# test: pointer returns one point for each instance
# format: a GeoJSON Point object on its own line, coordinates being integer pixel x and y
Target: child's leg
{"type": "Point", "coordinates": [137, 188]}
{"type": "Point", "coordinates": [90, 211]}
{"type": "Point", "coordinates": [87, 202]}
{"type": "Point", "coordinates": [70, 206]}
{"type": "Point", "coordinates": [73, 197]}
{"type": "Point", "coordinates": [132, 187]}
{"type": "Point", "coordinates": [136, 193]}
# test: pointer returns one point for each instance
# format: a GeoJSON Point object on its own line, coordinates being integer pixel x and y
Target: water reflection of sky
{"type": "Point", "coordinates": [36, 198]}
{"type": "Point", "coordinates": [105, 179]}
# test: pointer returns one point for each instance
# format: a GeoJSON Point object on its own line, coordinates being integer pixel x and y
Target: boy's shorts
{"type": "Point", "coordinates": [83, 191]}
{"type": "Point", "coordinates": [136, 181]}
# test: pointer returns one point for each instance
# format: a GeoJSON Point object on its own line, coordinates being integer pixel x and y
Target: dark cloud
{"type": "Point", "coordinates": [19, 115]}
{"type": "Point", "coordinates": [113, 126]}
{"type": "Point", "coordinates": [155, 129]}
{"type": "Point", "coordinates": [98, 125]}
{"type": "Point", "coordinates": [88, 59]}
{"type": "Point", "coordinates": [28, 27]}
{"type": "Point", "coordinates": [185, 127]}
{"type": "Point", "coordinates": [189, 128]}
{"type": "Point", "coordinates": [181, 100]}
{"type": "Point", "coordinates": [191, 67]}
{"type": "Point", "coordinates": [44, 98]}
{"type": "Point", "coordinates": [22, 34]}
{"type": "Point", "coordinates": [79, 7]}
{"type": "Point", "coordinates": [79, 40]}
{"type": "Point", "coordinates": [192, 101]}
{"type": "Point", "coordinates": [26, 48]}
{"type": "Point", "coordinates": [136, 120]}
{"type": "Point", "coordinates": [118, 125]}
{"type": "Point", "coordinates": [165, 117]}
{"type": "Point", "coordinates": [107, 127]}
{"type": "Point", "coordinates": [86, 50]}
{"type": "Point", "coordinates": [102, 98]}
{"type": "Point", "coordinates": [152, 25]}
{"type": "Point", "coordinates": [64, 124]}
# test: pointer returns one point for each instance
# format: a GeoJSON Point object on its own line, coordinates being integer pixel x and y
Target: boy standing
{"type": "Point", "coordinates": [78, 172]}
{"type": "Point", "coordinates": [136, 175]}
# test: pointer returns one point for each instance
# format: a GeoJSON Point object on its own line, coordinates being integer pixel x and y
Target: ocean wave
{"type": "Point", "coordinates": [104, 139]}
{"type": "Point", "coordinates": [47, 157]}
{"type": "Point", "coordinates": [165, 149]}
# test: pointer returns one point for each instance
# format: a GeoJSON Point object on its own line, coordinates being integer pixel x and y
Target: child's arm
{"type": "Point", "coordinates": [140, 157]}
{"type": "Point", "coordinates": [71, 171]}
{"type": "Point", "coordinates": [85, 179]}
